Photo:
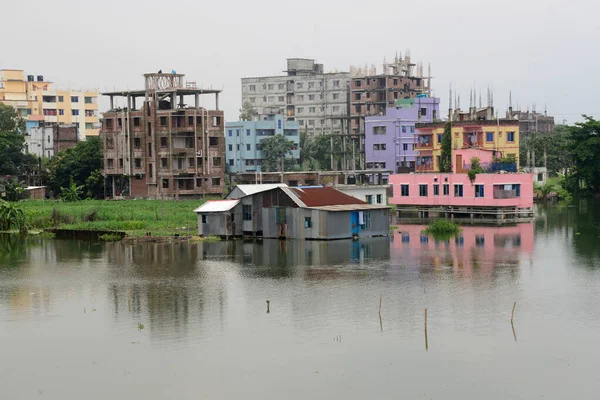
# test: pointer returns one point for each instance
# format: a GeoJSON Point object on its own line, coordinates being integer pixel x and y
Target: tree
{"type": "Point", "coordinates": [475, 169]}
{"type": "Point", "coordinates": [12, 141]}
{"type": "Point", "coordinates": [585, 152]}
{"type": "Point", "coordinates": [11, 217]}
{"type": "Point", "coordinates": [275, 150]}
{"type": "Point", "coordinates": [446, 156]}
{"type": "Point", "coordinates": [247, 112]}
{"type": "Point", "coordinates": [80, 163]}
{"type": "Point", "coordinates": [72, 192]}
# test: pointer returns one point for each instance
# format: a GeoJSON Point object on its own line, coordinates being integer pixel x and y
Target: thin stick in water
{"type": "Point", "coordinates": [512, 316]}
{"type": "Point", "coordinates": [268, 306]}
{"type": "Point", "coordinates": [380, 320]}
{"type": "Point", "coordinates": [426, 341]}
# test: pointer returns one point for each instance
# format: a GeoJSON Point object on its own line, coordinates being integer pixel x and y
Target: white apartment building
{"type": "Point", "coordinates": [317, 100]}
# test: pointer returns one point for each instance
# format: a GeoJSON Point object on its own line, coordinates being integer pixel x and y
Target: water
{"type": "Point", "coordinates": [154, 321]}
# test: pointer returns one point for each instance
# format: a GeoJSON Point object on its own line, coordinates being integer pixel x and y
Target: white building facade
{"type": "Point", "coordinates": [317, 100]}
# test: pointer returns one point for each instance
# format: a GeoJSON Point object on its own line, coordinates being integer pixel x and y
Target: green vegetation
{"type": "Point", "coordinates": [210, 238]}
{"type": "Point", "coordinates": [247, 112]}
{"type": "Point", "coordinates": [446, 156]}
{"type": "Point", "coordinates": [475, 169]}
{"type": "Point", "coordinates": [72, 192]}
{"type": "Point", "coordinates": [135, 217]}
{"type": "Point", "coordinates": [13, 161]}
{"type": "Point", "coordinates": [79, 165]}
{"type": "Point", "coordinates": [442, 227]}
{"type": "Point", "coordinates": [110, 237]}
{"type": "Point", "coordinates": [12, 217]}
{"type": "Point", "coordinates": [277, 150]}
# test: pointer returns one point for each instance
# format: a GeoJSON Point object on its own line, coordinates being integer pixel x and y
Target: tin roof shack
{"type": "Point", "coordinates": [316, 213]}
{"type": "Point", "coordinates": [245, 190]}
{"type": "Point", "coordinates": [220, 218]}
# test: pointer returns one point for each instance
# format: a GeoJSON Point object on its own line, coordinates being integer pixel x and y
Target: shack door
{"type": "Point", "coordinates": [355, 228]}
{"type": "Point", "coordinates": [459, 163]}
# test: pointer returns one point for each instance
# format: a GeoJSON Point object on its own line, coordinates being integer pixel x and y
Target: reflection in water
{"type": "Point", "coordinates": [476, 249]}
{"type": "Point", "coordinates": [70, 315]}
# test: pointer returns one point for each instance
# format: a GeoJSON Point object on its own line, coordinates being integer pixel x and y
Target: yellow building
{"type": "Point", "coordinates": [35, 99]}
{"type": "Point", "coordinates": [500, 137]}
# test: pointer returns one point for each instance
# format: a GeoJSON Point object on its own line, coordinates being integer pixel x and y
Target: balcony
{"type": "Point", "coordinates": [424, 142]}
{"type": "Point", "coordinates": [424, 164]}
{"type": "Point", "coordinates": [473, 140]}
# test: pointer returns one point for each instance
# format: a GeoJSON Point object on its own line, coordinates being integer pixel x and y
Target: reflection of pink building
{"type": "Point", "coordinates": [475, 247]}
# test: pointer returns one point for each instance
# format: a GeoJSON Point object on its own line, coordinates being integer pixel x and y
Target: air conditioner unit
{"type": "Point", "coordinates": [199, 153]}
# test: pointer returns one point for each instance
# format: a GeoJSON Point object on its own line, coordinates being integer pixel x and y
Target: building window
{"type": "Point", "coordinates": [379, 199]}
{"type": "Point", "coordinates": [108, 123]}
{"type": "Point", "coordinates": [336, 84]}
{"type": "Point", "coordinates": [335, 96]}
{"type": "Point", "coordinates": [110, 143]}
{"type": "Point", "coordinates": [403, 128]}
{"type": "Point", "coordinates": [110, 163]}
{"type": "Point", "coordinates": [510, 136]}
{"type": "Point", "coordinates": [479, 192]}
{"type": "Point", "coordinates": [307, 222]}
{"type": "Point", "coordinates": [404, 190]}
{"type": "Point", "coordinates": [423, 112]}
{"type": "Point", "coordinates": [137, 143]}
{"type": "Point", "coordinates": [367, 217]}
{"type": "Point", "coordinates": [231, 162]}
{"type": "Point", "coordinates": [248, 147]}
{"type": "Point", "coordinates": [440, 137]}
{"type": "Point", "coordinates": [311, 109]}
{"type": "Point", "coordinates": [281, 99]}
{"type": "Point", "coordinates": [164, 162]}
{"type": "Point", "coordinates": [247, 132]}
{"type": "Point", "coordinates": [311, 97]}
{"type": "Point", "coordinates": [412, 129]}
{"type": "Point", "coordinates": [405, 146]}
{"type": "Point", "coordinates": [479, 240]}
{"type": "Point", "coordinates": [163, 121]}
{"type": "Point", "coordinates": [136, 121]}
{"type": "Point", "coordinates": [436, 190]}
{"type": "Point", "coordinates": [271, 86]}
{"type": "Point", "coordinates": [74, 99]}
{"type": "Point", "coordinates": [230, 147]}
{"type": "Point", "coordinates": [300, 85]}
{"type": "Point", "coordinates": [216, 181]}
{"type": "Point", "coordinates": [458, 190]}
{"type": "Point", "coordinates": [61, 112]}
{"type": "Point", "coordinates": [423, 190]}
{"type": "Point", "coordinates": [61, 99]}
{"type": "Point", "coordinates": [300, 110]}
{"type": "Point", "coordinates": [237, 132]}
{"type": "Point", "coordinates": [163, 141]}
{"type": "Point", "coordinates": [446, 189]}
{"type": "Point", "coordinates": [280, 86]}
{"type": "Point", "coordinates": [89, 125]}
{"type": "Point", "coordinates": [369, 198]}
{"type": "Point", "coordinates": [489, 137]}
{"type": "Point", "coordinates": [379, 146]}
{"type": "Point", "coordinates": [311, 122]}
{"type": "Point", "coordinates": [247, 212]}
{"type": "Point", "coordinates": [120, 163]}
{"type": "Point", "coordinates": [76, 112]}
{"type": "Point", "coordinates": [252, 88]}
{"type": "Point", "coordinates": [213, 141]}
{"type": "Point", "coordinates": [138, 162]}
{"type": "Point", "coordinates": [379, 130]}
{"type": "Point", "coordinates": [230, 132]}
{"type": "Point", "coordinates": [88, 100]}
{"type": "Point", "coordinates": [216, 161]}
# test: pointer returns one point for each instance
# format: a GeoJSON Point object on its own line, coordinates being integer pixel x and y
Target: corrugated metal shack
{"type": "Point", "coordinates": [220, 218]}
{"type": "Point", "coordinates": [311, 213]}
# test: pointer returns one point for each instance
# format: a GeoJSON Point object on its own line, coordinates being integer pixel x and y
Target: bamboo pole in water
{"type": "Point", "coordinates": [380, 320]}
{"type": "Point", "coordinates": [268, 306]}
{"type": "Point", "coordinates": [512, 316]}
{"type": "Point", "coordinates": [426, 341]}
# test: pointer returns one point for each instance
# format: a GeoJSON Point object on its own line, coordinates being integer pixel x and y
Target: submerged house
{"type": "Point", "coordinates": [311, 213]}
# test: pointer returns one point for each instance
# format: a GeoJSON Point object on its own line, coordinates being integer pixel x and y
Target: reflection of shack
{"type": "Point", "coordinates": [312, 213]}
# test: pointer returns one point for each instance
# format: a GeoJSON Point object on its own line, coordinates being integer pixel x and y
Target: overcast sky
{"type": "Point", "coordinates": [545, 51]}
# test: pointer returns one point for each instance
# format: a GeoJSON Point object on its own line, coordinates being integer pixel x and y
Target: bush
{"type": "Point", "coordinates": [57, 218]}
{"type": "Point", "coordinates": [442, 226]}
{"type": "Point", "coordinates": [110, 237]}
{"type": "Point", "coordinates": [90, 216]}
{"type": "Point", "coordinates": [12, 217]}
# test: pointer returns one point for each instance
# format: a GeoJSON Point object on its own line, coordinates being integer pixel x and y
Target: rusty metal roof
{"type": "Point", "coordinates": [323, 196]}
{"type": "Point", "coordinates": [351, 207]}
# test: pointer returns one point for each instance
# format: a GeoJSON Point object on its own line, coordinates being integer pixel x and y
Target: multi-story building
{"type": "Point", "coordinates": [48, 139]}
{"type": "Point", "coordinates": [35, 99]}
{"type": "Point", "coordinates": [372, 93]}
{"type": "Point", "coordinates": [158, 146]}
{"type": "Point", "coordinates": [475, 129]}
{"type": "Point", "coordinates": [532, 122]}
{"type": "Point", "coordinates": [390, 139]}
{"type": "Point", "coordinates": [317, 100]}
{"type": "Point", "coordinates": [243, 139]}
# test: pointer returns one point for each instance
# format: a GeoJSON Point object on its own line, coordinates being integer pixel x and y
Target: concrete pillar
{"type": "Point", "coordinates": [197, 100]}
{"type": "Point", "coordinates": [217, 101]}
{"type": "Point", "coordinates": [133, 107]}
{"type": "Point", "coordinates": [129, 102]}
{"type": "Point", "coordinates": [173, 104]}
{"type": "Point", "coordinates": [112, 102]}
{"type": "Point", "coordinates": [181, 101]}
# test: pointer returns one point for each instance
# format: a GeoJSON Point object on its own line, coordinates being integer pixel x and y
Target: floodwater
{"type": "Point", "coordinates": [82, 320]}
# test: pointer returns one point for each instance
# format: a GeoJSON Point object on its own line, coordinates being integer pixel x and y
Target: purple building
{"type": "Point", "coordinates": [390, 139]}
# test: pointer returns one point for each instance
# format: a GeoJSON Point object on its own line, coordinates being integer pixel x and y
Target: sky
{"type": "Point", "coordinates": [545, 52]}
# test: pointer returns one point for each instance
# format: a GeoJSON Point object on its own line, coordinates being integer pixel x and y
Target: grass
{"type": "Point", "coordinates": [135, 217]}
{"type": "Point", "coordinates": [442, 228]}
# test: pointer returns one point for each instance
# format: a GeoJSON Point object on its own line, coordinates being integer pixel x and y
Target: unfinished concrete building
{"type": "Point", "coordinates": [372, 93]}
{"type": "Point", "coordinates": [163, 144]}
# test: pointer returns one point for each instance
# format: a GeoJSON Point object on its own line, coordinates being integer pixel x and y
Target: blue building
{"type": "Point", "coordinates": [243, 141]}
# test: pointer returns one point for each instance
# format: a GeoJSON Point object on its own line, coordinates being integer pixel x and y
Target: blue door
{"type": "Point", "coordinates": [354, 222]}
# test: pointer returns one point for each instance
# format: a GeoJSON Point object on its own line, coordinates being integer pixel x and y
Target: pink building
{"type": "Point", "coordinates": [498, 194]}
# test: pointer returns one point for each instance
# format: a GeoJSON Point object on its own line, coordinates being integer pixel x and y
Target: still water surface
{"type": "Point", "coordinates": [81, 320]}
